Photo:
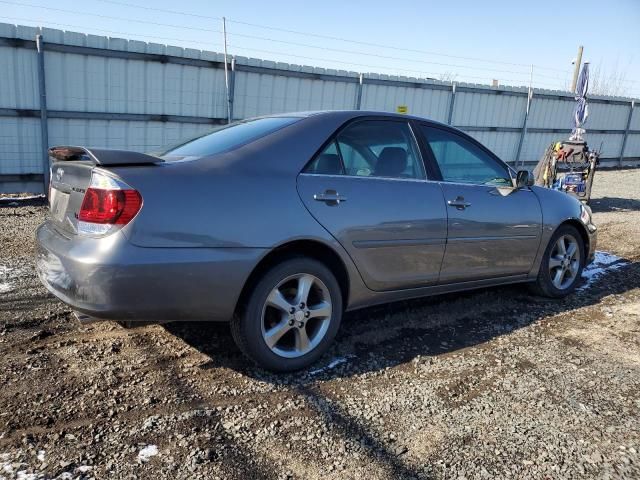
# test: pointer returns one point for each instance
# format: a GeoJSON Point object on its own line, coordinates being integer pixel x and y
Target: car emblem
{"type": "Point", "coordinates": [59, 174]}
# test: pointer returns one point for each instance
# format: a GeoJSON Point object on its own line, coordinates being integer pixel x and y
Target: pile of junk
{"type": "Point", "coordinates": [570, 165]}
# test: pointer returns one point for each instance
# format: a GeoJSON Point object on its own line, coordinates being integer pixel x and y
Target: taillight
{"type": "Point", "coordinates": [108, 204]}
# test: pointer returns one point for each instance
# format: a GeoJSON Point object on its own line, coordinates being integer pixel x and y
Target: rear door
{"type": "Point", "coordinates": [493, 230]}
{"type": "Point", "coordinates": [368, 188]}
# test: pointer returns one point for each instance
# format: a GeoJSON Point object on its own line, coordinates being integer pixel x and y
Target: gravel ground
{"type": "Point", "coordinates": [489, 384]}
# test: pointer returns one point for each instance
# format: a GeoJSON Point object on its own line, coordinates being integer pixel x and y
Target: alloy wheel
{"type": "Point", "coordinates": [564, 262]}
{"type": "Point", "coordinates": [296, 315]}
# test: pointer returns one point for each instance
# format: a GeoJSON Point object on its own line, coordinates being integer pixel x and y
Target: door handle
{"type": "Point", "coordinates": [330, 197]}
{"type": "Point", "coordinates": [459, 203]}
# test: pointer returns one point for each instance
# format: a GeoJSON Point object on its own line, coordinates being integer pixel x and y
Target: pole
{"type": "Point", "coordinates": [576, 70]}
{"type": "Point", "coordinates": [452, 103]}
{"type": "Point", "coordinates": [523, 132]}
{"type": "Point", "coordinates": [226, 68]}
{"type": "Point", "coordinates": [232, 87]}
{"type": "Point", "coordinates": [359, 91]}
{"type": "Point", "coordinates": [44, 129]}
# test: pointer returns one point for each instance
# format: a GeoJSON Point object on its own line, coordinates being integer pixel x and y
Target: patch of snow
{"type": "Point", "coordinates": [333, 364]}
{"type": "Point", "coordinates": [40, 455]}
{"type": "Point", "coordinates": [146, 453]}
{"type": "Point", "coordinates": [5, 284]}
{"type": "Point", "coordinates": [84, 468]}
{"type": "Point", "coordinates": [13, 469]}
{"type": "Point", "coordinates": [603, 263]}
{"type": "Point", "coordinates": [24, 475]}
{"type": "Point", "coordinates": [21, 199]}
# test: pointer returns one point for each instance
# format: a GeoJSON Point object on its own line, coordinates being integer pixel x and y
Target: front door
{"type": "Point", "coordinates": [368, 189]}
{"type": "Point", "coordinates": [493, 230]}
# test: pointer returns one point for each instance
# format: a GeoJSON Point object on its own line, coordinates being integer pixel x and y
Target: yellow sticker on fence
{"type": "Point", "coordinates": [402, 109]}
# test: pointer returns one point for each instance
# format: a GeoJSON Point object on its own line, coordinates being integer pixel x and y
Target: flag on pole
{"type": "Point", "coordinates": [581, 111]}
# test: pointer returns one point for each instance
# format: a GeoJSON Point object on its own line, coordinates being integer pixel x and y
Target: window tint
{"type": "Point", "coordinates": [228, 137]}
{"type": "Point", "coordinates": [371, 148]}
{"type": "Point", "coordinates": [463, 162]}
{"type": "Point", "coordinates": [354, 162]}
{"type": "Point", "coordinates": [327, 162]}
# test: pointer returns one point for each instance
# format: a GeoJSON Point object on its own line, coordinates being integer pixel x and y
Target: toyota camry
{"type": "Point", "coordinates": [280, 224]}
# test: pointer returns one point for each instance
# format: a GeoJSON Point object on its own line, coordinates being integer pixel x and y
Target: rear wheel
{"type": "Point", "coordinates": [291, 316]}
{"type": "Point", "coordinates": [562, 264]}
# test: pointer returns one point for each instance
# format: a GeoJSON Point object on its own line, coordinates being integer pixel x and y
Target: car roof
{"type": "Point", "coordinates": [350, 114]}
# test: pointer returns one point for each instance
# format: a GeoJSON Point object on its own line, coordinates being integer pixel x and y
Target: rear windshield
{"type": "Point", "coordinates": [229, 136]}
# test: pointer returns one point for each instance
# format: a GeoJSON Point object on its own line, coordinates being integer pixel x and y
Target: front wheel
{"type": "Point", "coordinates": [291, 316]}
{"type": "Point", "coordinates": [562, 264]}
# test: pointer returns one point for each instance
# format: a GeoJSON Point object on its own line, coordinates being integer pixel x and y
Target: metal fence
{"type": "Point", "coordinates": [60, 87]}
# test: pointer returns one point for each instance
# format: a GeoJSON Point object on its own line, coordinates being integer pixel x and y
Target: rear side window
{"type": "Point", "coordinates": [229, 137]}
{"type": "Point", "coordinates": [371, 148]}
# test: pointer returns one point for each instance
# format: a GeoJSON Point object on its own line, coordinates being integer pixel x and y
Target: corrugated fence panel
{"type": "Point", "coordinates": [19, 137]}
{"type": "Point", "coordinates": [20, 146]}
{"type": "Point", "coordinates": [635, 118]}
{"type": "Point", "coordinates": [98, 84]}
{"type": "Point", "coordinates": [424, 102]}
{"type": "Point", "coordinates": [604, 116]}
{"type": "Point", "coordinates": [489, 110]}
{"type": "Point", "coordinates": [558, 113]}
{"type": "Point", "coordinates": [262, 94]}
{"type": "Point", "coordinates": [18, 73]}
{"type": "Point", "coordinates": [551, 113]}
{"type": "Point", "coordinates": [121, 134]}
{"type": "Point", "coordinates": [503, 144]}
{"type": "Point", "coordinates": [176, 83]}
{"type": "Point", "coordinates": [632, 148]}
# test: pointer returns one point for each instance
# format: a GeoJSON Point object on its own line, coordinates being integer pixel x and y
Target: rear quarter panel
{"type": "Point", "coordinates": [244, 198]}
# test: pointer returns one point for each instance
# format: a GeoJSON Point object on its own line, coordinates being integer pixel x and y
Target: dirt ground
{"type": "Point", "coordinates": [489, 384]}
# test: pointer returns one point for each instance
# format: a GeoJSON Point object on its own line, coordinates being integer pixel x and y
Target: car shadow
{"type": "Point", "coordinates": [376, 338]}
{"type": "Point", "coordinates": [385, 336]}
{"type": "Point", "coordinates": [614, 204]}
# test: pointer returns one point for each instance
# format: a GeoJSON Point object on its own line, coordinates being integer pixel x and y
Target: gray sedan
{"type": "Point", "coordinates": [280, 224]}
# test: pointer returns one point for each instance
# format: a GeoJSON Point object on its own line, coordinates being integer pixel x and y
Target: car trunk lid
{"type": "Point", "coordinates": [71, 172]}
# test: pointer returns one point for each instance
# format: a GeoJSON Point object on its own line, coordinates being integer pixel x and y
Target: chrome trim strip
{"type": "Point", "coordinates": [419, 180]}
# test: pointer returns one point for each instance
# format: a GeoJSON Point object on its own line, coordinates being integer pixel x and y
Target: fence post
{"type": "Point", "coordinates": [359, 92]}
{"type": "Point", "coordinates": [44, 128]}
{"type": "Point", "coordinates": [452, 103]}
{"type": "Point", "coordinates": [523, 132]}
{"type": "Point", "coordinates": [626, 133]}
{"type": "Point", "coordinates": [232, 87]}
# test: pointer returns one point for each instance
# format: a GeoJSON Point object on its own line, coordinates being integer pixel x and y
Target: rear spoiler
{"type": "Point", "coordinates": [102, 156]}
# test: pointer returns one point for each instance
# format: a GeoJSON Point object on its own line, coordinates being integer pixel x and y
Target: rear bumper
{"type": "Point", "coordinates": [109, 278]}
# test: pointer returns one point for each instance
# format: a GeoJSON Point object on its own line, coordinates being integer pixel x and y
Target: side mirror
{"type": "Point", "coordinates": [524, 178]}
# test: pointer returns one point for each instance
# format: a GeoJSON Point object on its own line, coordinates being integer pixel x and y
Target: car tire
{"type": "Point", "coordinates": [551, 281]}
{"type": "Point", "coordinates": [280, 328]}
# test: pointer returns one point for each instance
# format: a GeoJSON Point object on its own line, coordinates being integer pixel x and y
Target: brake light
{"type": "Point", "coordinates": [114, 207]}
{"type": "Point", "coordinates": [108, 204]}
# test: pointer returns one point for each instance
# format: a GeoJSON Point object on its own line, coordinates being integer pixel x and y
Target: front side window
{"type": "Point", "coordinates": [229, 137]}
{"type": "Point", "coordinates": [461, 161]}
{"type": "Point", "coordinates": [371, 148]}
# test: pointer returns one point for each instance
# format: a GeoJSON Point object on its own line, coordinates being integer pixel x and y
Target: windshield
{"type": "Point", "coordinates": [229, 137]}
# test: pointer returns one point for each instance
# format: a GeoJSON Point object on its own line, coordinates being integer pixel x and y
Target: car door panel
{"type": "Point", "coordinates": [393, 229]}
{"type": "Point", "coordinates": [495, 235]}
{"type": "Point", "coordinates": [494, 230]}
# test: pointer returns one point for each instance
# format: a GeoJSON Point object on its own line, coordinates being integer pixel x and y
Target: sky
{"type": "Point", "coordinates": [461, 40]}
